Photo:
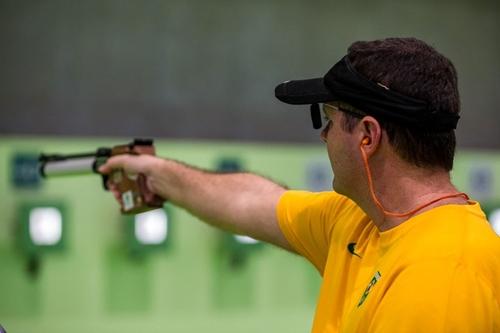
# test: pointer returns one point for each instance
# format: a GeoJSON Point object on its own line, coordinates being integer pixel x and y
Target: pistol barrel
{"type": "Point", "coordinates": [72, 164]}
{"type": "Point", "coordinates": [67, 167]}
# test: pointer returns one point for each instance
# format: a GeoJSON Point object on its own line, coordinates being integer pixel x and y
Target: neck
{"type": "Point", "coordinates": [407, 189]}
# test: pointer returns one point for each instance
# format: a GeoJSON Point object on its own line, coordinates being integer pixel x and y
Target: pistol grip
{"type": "Point", "coordinates": [135, 195]}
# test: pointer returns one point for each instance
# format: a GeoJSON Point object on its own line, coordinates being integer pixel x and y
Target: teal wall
{"type": "Point", "coordinates": [94, 285]}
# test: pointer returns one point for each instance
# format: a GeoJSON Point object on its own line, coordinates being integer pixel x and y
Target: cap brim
{"type": "Point", "coordinates": [303, 92]}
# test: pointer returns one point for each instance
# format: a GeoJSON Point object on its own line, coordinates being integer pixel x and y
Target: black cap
{"type": "Point", "coordinates": [304, 92]}
{"type": "Point", "coordinates": [343, 83]}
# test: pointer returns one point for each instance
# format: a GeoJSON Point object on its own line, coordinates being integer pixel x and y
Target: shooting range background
{"type": "Point", "coordinates": [94, 285]}
{"type": "Point", "coordinates": [191, 286]}
{"type": "Point", "coordinates": [77, 75]}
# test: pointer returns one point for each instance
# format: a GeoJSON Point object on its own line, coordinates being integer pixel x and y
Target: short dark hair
{"type": "Point", "coordinates": [413, 68]}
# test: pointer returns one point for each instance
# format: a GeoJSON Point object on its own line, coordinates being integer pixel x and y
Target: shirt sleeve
{"type": "Point", "coordinates": [307, 220]}
{"type": "Point", "coordinates": [434, 297]}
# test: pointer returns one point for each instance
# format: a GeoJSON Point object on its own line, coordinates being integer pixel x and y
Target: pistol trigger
{"type": "Point", "coordinates": [105, 179]}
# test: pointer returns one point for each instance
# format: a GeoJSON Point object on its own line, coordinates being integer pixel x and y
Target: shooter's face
{"type": "Point", "coordinates": [339, 144]}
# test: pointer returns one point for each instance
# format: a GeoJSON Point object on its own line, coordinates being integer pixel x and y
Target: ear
{"type": "Point", "coordinates": [369, 134]}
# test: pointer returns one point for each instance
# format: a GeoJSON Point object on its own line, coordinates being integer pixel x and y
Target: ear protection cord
{"type": "Point", "coordinates": [379, 204]}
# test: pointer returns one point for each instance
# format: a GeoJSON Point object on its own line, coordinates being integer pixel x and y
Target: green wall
{"type": "Point", "coordinates": [94, 285]}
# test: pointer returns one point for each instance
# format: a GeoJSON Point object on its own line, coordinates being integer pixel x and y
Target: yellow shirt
{"type": "Point", "coordinates": [437, 272]}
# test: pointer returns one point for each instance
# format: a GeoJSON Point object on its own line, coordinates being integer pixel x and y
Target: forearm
{"type": "Point", "coordinates": [242, 203]}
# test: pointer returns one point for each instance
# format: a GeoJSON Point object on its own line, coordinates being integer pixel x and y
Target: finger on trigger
{"type": "Point", "coordinates": [114, 162]}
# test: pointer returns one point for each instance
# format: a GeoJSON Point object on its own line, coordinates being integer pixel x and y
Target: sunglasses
{"type": "Point", "coordinates": [332, 107]}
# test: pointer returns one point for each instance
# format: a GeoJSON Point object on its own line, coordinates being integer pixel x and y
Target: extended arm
{"type": "Point", "coordinates": [242, 203]}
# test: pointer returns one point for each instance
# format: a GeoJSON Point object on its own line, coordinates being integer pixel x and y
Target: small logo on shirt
{"type": "Point", "coordinates": [351, 248]}
{"type": "Point", "coordinates": [374, 280]}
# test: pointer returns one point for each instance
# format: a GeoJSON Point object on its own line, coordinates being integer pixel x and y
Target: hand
{"type": "Point", "coordinates": [132, 164]}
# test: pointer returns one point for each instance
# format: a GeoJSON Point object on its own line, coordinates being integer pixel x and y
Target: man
{"type": "Point", "coordinates": [398, 247]}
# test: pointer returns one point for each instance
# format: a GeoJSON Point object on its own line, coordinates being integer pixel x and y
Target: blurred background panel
{"type": "Point", "coordinates": [207, 69]}
{"type": "Point", "coordinates": [104, 277]}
